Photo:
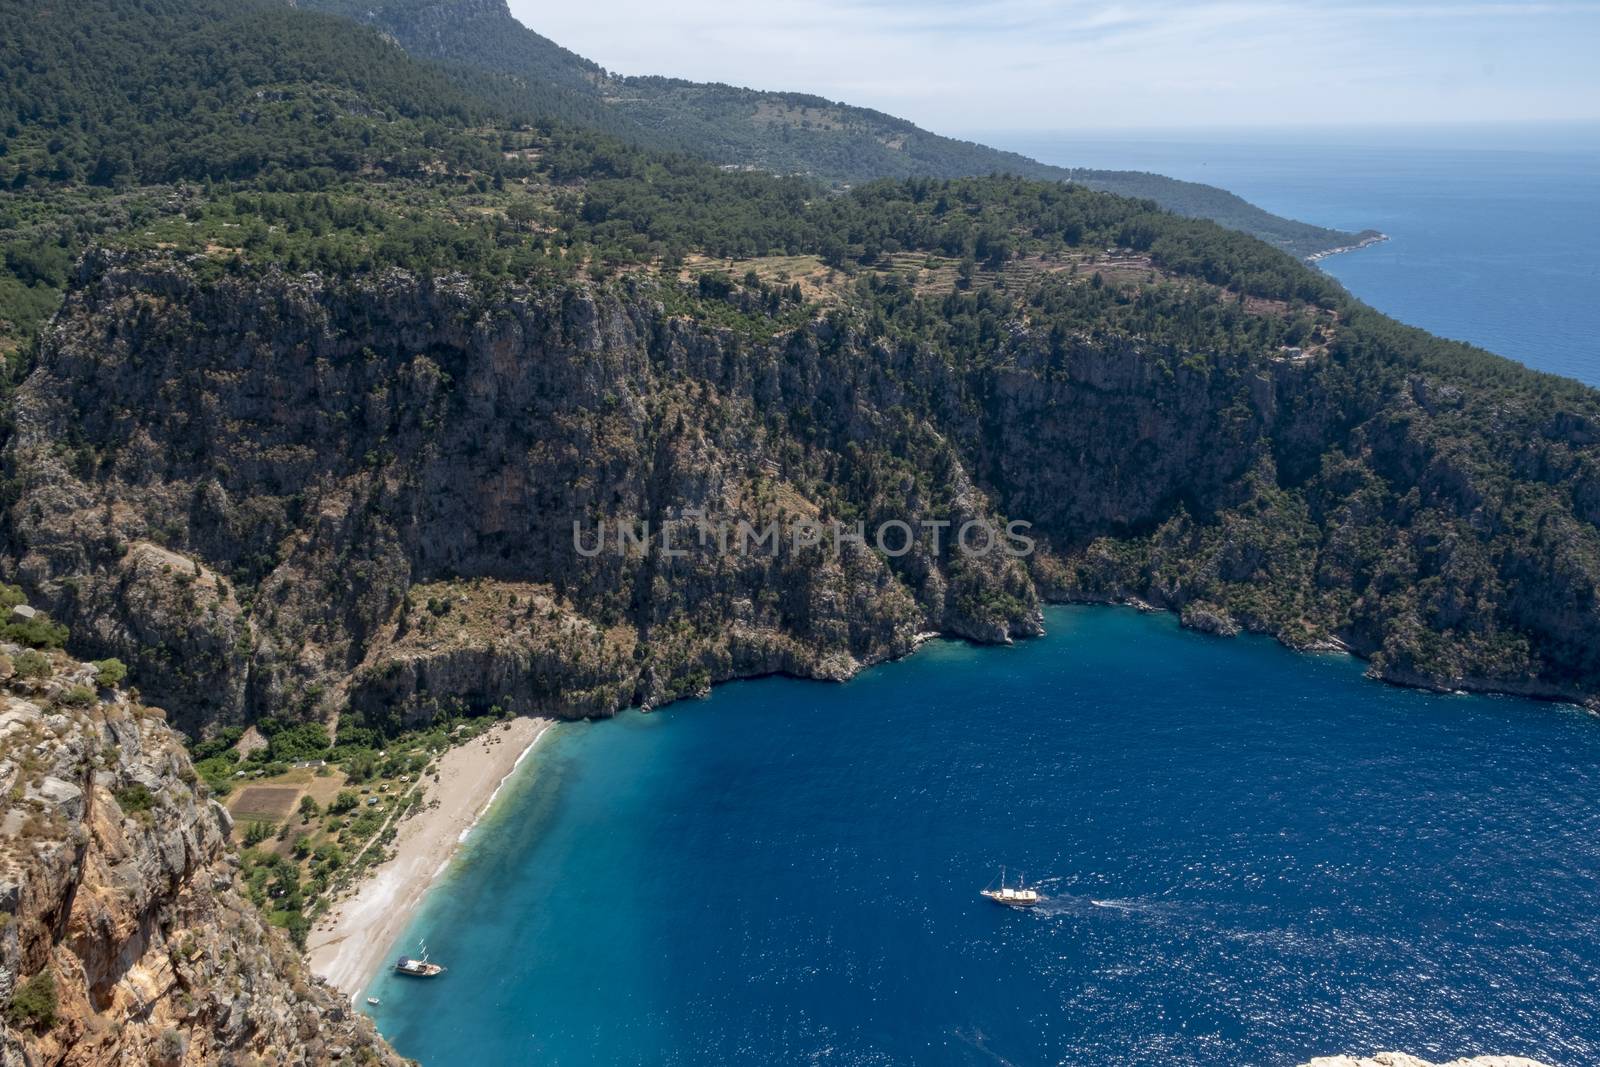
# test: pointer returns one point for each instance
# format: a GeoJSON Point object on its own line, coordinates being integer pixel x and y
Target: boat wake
{"type": "Point", "coordinates": [1119, 905]}
{"type": "Point", "coordinates": [1066, 904]}
{"type": "Point", "coordinates": [979, 1043]}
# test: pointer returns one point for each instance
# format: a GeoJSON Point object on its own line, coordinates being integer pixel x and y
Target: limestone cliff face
{"type": "Point", "coordinates": [298, 495]}
{"type": "Point", "coordinates": [118, 893]}
{"type": "Point", "coordinates": [236, 486]}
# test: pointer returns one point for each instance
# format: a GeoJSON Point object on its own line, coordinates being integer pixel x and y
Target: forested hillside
{"type": "Point", "coordinates": [781, 132]}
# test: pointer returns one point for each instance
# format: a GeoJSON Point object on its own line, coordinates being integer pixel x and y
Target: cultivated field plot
{"type": "Point", "coordinates": [269, 803]}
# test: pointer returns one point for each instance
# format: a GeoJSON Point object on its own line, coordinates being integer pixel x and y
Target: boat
{"type": "Point", "coordinates": [373, 1001]}
{"type": "Point", "coordinates": [418, 967]}
{"type": "Point", "coordinates": [1018, 896]}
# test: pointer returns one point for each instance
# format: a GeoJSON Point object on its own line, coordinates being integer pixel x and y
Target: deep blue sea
{"type": "Point", "coordinates": [1494, 231]}
{"type": "Point", "coordinates": [1250, 856]}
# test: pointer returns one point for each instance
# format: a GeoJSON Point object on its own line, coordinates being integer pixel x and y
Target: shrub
{"type": "Point", "coordinates": [11, 596]}
{"type": "Point", "coordinates": [294, 922]}
{"type": "Point", "coordinates": [360, 764]}
{"type": "Point", "coordinates": [345, 801]}
{"type": "Point", "coordinates": [172, 1045]}
{"type": "Point", "coordinates": [135, 799]}
{"type": "Point", "coordinates": [220, 745]}
{"type": "Point", "coordinates": [367, 823]}
{"type": "Point", "coordinates": [109, 672]}
{"type": "Point", "coordinates": [78, 696]}
{"type": "Point", "coordinates": [257, 832]}
{"type": "Point", "coordinates": [218, 773]}
{"type": "Point", "coordinates": [33, 1004]}
{"type": "Point", "coordinates": [37, 632]}
{"type": "Point", "coordinates": [31, 664]}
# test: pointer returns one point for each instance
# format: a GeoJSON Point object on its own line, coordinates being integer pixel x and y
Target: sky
{"type": "Point", "coordinates": [1103, 64]}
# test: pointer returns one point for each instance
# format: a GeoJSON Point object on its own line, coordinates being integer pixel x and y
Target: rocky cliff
{"type": "Point", "coordinates": [281, 493]}
{"type": "Point", "coordinates": [389, 493]}
{"type": "Point", "coordinates": [125, 937]}
{"type": "Point", "coordinates": [1401, 1059]}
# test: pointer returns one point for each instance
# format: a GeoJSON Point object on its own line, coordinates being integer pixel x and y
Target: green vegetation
{"type": "Point", "coordinates": [215, 759]}
{"type": "Point", "coordinates": [302, 741]}
{"type": "Point", "coordinates": [172, 1045]}
{"type": "Point", "coordinates": [135, 799]}
{"type": "Point", "coordinates": [109, 672]}
{"type": "Point", "coordinates": [288, 870]}
{"type": "Point", "coordinates": [100, 99]}
{"type": "Point", "coordinates": [781, 133]}
{"type": "Point", "coordinates": [350, 159]}
{"type": "Point", "coordinates": [273, 884]}
{"type": "Point", "coordinates": [109, 93]}
{"type": "Point", "coordinates": [32, 664]}
{"type": "Point", "coordinates": [78, 696]}
{"type": "Point", "coordinates": [36, 632]}
{"type": "Point", "coordinates": [290, 867]}
{"type": "Point", "coordinates": [33, 1003]}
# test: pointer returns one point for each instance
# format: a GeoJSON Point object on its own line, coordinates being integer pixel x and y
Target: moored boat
{"type": "Point", "coordinates": [418, 967]}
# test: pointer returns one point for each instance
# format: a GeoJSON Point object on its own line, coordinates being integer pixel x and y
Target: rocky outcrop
{"type": "Point", "coordinates": [1208, 620]}
{"type": "Point", "coordinates": [1401, 1059]}
{"type": "Point", "coordinates": [125, 937]}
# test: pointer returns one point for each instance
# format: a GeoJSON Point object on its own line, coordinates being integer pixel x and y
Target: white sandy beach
{"type": "Point", "coordinates": [350, 944]}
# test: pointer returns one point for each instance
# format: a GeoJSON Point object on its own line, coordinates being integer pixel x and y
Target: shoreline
{"type": "Point", "coordinates": [347, 946]}
{"type": "Point", "coordinates": [1364, 242]}
{"type": "Point", "coordinates": [1334, 643]}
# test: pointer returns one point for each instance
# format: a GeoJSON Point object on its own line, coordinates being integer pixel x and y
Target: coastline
{"type": "Point", "coordinates": [1366, 241]}
{"type": "Point", "coordinates": [1335, 643]}
{"type": "Point", "coordinates": [347, 946]}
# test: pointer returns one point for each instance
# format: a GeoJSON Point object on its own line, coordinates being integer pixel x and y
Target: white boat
{"type": "Point", "coordinates": [418, 967]}
{"type": "Point", "coordinates": [1018, 896]}
{"type": "Point", "coordinates": [373, 1001]}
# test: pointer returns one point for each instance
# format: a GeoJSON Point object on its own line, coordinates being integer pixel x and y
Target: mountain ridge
{"type": "Point", "coordinates": [777, 131]}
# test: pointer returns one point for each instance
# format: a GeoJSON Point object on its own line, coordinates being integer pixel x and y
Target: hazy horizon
{"type": "Point", "coordinates": [1096, 65]}
{"type": "Point", "coordinates": [1577, 139]}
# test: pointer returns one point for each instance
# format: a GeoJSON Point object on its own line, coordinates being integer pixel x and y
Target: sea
{"type": "Point", "coordinates": [1494, 230]}
{"type": "Point", "coordinates": [1248, 856]}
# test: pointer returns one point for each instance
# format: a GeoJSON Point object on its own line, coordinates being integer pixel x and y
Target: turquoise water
{"type": "Point", "coordinates": [1250, 856]}
{"type": "Point", "coordinates": [1495, 232]}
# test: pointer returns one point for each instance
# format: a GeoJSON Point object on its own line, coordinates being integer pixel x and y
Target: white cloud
{"type": "Point", "coordinates": [997, 64]}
